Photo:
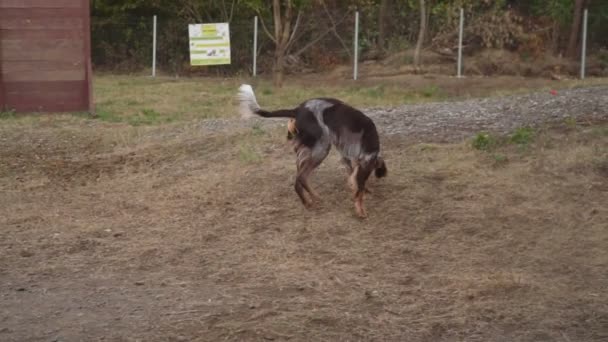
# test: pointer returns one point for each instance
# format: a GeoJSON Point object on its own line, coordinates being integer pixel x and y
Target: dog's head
{"type": "Point", "coordinates": [292, 131]}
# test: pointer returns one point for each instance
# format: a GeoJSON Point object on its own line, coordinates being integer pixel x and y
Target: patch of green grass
{"type": "Point", "coordinates": [500, 159]}
{"type": "Point", "coordinates": [133, 102]}
{"type": "Point", "coordinates": [108, 116]}
{"type": "Point", "coordinates": [430, 91]}
{"type": "Point", "coordinates": [600, 131]}
{"type": "Point", "coordinates": [484, 141]}
{"type": "Point", "coordinates": [7, 114]}
{"type": "Point", "coordinates": [257, 129]}
{"type": "Point", "coordinates": [522, 136]}
{"type": "Point", "coordinates": [427, 147]}
{"type": "Point", "coordinates": [570, 122]}
{"type": "Point", "coordinates": [148, 117]}
{"type": "Point", "coordinates": [375, 92]}
{"type": "Point", "coordinates": [247, 154]}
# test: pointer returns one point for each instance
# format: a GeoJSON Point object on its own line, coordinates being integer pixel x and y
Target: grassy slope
{"type": "Point", "coordinates": [140, 100]}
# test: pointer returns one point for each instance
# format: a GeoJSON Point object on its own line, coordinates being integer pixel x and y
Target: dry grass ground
{"type": "Point", "coordinates": [119, 233]}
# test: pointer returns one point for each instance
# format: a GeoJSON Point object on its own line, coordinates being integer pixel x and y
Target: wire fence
{"type": "Point", "coordinates": [323, 40]}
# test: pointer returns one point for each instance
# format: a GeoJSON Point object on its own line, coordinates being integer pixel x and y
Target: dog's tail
{"type": "Point", "coordinates": [381, 169]}
{"type": "Point", "coordinates": [248, 105]}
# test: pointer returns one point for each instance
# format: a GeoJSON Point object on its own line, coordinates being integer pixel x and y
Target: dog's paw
{"type": "Point", "coordinates": [361, 212]}
{"type": "Point", "coordinates": [316, 199]}
{"type": "Point", "coordinates": [309, 205]}
{"type": "Point", "coordinates": [362, 216]}
{"type": "Point", "coordinates": [316, 204]}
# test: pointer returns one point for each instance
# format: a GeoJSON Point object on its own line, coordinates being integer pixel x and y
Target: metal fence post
{"type": "Point", "coordinates": [460, 34]}
{"type": "Point", "coordinates": [356, 54]}
{"type": "Point", "coordinates": [255, 44]}
{"type": "Point", "coordinates": [154, 47]}
{"type": "Point", "coordinates": [584, 45]}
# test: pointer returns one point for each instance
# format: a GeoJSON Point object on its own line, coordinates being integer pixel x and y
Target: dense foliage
{"type": "Point", "coordinates": [121, 29]}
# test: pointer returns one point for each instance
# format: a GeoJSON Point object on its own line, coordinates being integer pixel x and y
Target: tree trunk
{"type": "Point", "coordinates": [282, 32]}
{"type": "Point", "coordinates": [382, 23]}
{"type": "Point", "coordinates": [555, 37]}
{"type": "Point", "coordinates": [421, 33]}
{"type": "Point", "coordinates": [278, 70]}
{"type": "Point", "coordinates": [575, 29]}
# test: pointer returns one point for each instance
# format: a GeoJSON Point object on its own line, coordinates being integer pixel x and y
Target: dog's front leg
{"type": "Point", "coordinates": [358, 180]}
{"type": "Point", "coordinates": [352, 183]}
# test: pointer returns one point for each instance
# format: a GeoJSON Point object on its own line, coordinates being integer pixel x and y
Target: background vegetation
{"type": "Point", "coordinates": [312, 35]}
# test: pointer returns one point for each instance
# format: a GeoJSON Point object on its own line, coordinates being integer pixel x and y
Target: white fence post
{"type": "Point", "coordinates": [154, 47]}
{"type": "Point", "coordinates": [584, 45]}
{"type": "Point", "coordinates": [255, 44]}
{"type": "Point", "coordinates": [356, 54]}
{"type": "Point", "coordinates": [460, 34]}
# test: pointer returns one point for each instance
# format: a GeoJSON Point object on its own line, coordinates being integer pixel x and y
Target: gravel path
{"type": "Point", "coordinates": [449, 121]}
{"type": "Point", "coordinates": [452, 121]}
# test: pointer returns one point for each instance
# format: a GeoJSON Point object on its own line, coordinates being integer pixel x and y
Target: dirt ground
{"type": "Point", "coordinates": [115, 233]}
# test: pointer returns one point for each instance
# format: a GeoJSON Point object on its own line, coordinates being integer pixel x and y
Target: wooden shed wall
{"type": "Point", "coordinates": [45, 55]}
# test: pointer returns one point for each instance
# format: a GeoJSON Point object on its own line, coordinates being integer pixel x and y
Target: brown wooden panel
{"type": "Point", "coordinates": [44, 75]}
{"type": "Point", "coordinates": [38, 50]}
{"type": "Point", "coordinates": [25, 66]}
{"type": "Point", "coordinates": [88, 87]}
{"type": "Point", "coordinates": [41, 34]}
{"type": "Point", "coordinates": [33, 103]}
{"type": "Point", "coordinates": [45, 96]}
{"type": "Point", "coordinates": [64, 86]}
{"type": "Point", "coordinates": [45, 55]}
{"type": "Point", "coordinates": [40, 3]}
{"type": "Point", "coordinates": [2, 100]}
{"type": "Point", "coordinates": [42, 24]}
{"type": "Point", "coordinates": [38, 13]}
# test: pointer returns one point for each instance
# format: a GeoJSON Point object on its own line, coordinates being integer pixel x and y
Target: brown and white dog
{"type": "Point", "coordinates": [314, 126]}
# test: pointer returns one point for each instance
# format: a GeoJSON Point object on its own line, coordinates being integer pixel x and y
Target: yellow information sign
{"type": "Point", "coordinates": [209, 44]}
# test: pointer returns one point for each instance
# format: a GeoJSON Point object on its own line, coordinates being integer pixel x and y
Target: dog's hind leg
{"type": "Point", "coordinates": [307, 161]}
{"type": "Point", "coordinates": [347, 165]}
{"type": "Point", "coordinates": [302, 162]}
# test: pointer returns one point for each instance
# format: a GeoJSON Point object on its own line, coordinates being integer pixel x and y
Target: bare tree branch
{"type": "Point", "coordinates": [266, 29]}
{"type": "Point", "coordinates": [276, 12]}
{"type": "Point", "coordinates": [231, 10]}
{"type": "Point", "coordinates": [191, 11]}
{"type": "Point", "coordinates": [224, 13]}
{"type": "Point", "coordinates": [314, 41]}
{"type": "Point", "coordinates": [287, 25]}
{"type": "Point", "coordinates": [293, 33]}
{"type": "Point", "coordinates": [421, 33]}
{"type": "Point", "coordinates": [331, 19]}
